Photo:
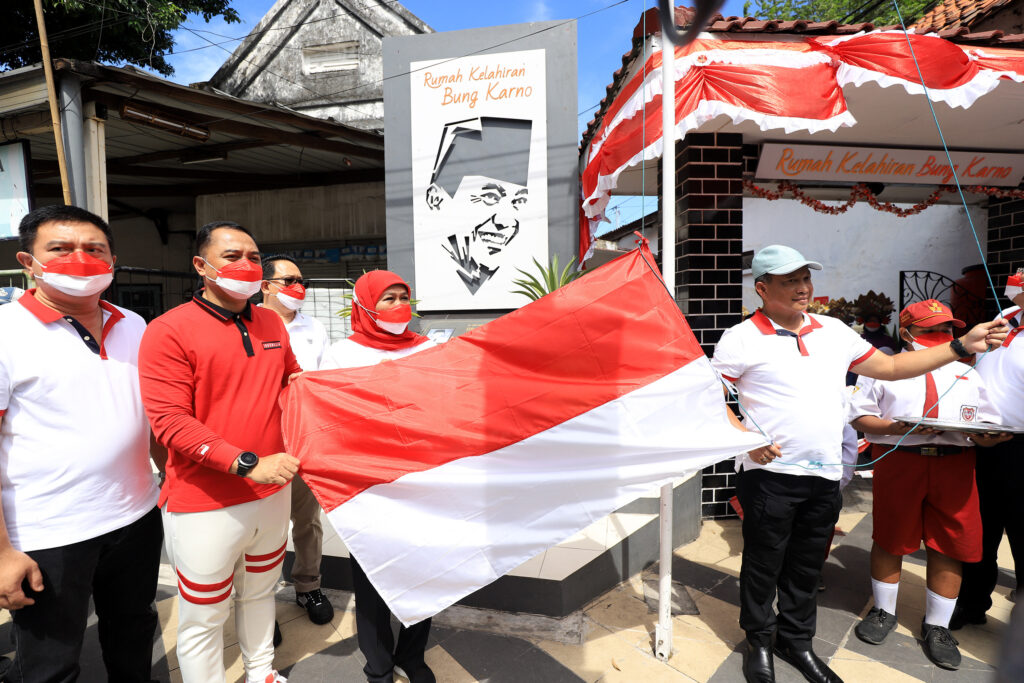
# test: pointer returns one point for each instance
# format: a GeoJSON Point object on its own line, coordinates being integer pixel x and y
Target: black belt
{"type": "Point", "coordinates": [933, 450]}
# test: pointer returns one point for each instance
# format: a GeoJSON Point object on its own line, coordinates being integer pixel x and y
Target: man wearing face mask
{"type": "Point", "coordinates": [211, 371]}
{"type": "Point", "coordinates": [1001, 471]}
{"type": "Point", "coordinates": [925, 490]}
{"type": "Point", "coordinates": [79, 519]}
{"type": "Point", "coordinates": [789, 369]}
{"type": "Point", "coordinates": [284, 293]}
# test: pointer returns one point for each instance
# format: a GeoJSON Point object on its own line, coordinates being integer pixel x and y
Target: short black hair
{"type": "Point", "coordinates": [764, 277]}
{"type": "Point", "coordinates": [58, 212]}
{"type": "Point", "coordinates": [203, 234]}
{"type": "Point", "coordinates": [270, 264]}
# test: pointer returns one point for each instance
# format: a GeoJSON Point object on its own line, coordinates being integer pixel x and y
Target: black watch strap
{"type": "Point", "coordinates": [245, 463]}
{"type": "Point", "coordinates": [958, 348]}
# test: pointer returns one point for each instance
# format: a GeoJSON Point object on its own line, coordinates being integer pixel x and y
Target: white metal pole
{"type": "Point", "coordinates": [663, 631]}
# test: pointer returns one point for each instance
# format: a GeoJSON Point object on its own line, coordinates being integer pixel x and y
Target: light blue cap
{"type": "Point", "coordinates": [776, 259]}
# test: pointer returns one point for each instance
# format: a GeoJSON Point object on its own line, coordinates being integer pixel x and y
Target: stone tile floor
{"type": "Point", "coordinates": [618, 628]}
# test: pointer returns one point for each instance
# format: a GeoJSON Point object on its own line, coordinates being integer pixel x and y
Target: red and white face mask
{"type": "Point", "coordinates": [394, 320]}
{"type": "Point", "coordinates": [240, 279]}
{"type": "Point", "coordinates": [76, 274]}
{"type": "Point", "coordinates": [1014, 285]}
{"type": "Point", "coordinates": [292, 296]}
{"type": "Point", "coordinates": [930, 339]}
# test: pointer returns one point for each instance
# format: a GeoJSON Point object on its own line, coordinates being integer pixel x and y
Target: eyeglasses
{"type": "Point", "coordinates": [288, 281]}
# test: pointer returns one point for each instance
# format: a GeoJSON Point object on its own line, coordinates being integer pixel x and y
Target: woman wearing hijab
{"type": "Point", "coordinates": [380, 317]}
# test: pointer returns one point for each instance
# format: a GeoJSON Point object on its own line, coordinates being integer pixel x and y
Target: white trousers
{"type": "Point", "coordinates": [241, 546]}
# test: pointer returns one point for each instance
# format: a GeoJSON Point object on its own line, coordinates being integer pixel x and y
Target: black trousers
{"type": "Point", "coordinates": [377, 642]}
{"type": "Point", "coordinates": [119, 571]}
{"type": "Point", "coordinates": [787, 523]}
{"type": "Point", "coordinates": [1000, 474]}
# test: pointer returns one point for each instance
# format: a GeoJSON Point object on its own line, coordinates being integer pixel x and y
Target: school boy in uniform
{"type": "Point", "coordinates": [211, 371]}
{"type": "Point", "coordinates": [790, 370]}
{"type": "Point", "coordinates": [924, 490]}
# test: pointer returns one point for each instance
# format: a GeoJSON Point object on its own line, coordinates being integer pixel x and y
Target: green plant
{"type": "Point", "coordinates": [550, 279]}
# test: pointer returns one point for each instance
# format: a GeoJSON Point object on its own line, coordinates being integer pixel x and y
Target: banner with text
{"type": "Point", "coordinates": [872, 164]}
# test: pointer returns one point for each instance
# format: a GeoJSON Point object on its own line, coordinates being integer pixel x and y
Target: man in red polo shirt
{"type": "Point", "coordinates": [79, 519]}
{"type": "Point", "coordinates": [211, 371]}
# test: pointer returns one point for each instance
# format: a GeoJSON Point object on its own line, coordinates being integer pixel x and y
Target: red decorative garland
{"type": "Point", "coordinates": [862, 192]}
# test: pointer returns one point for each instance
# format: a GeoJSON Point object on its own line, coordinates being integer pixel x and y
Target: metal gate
{"type": "Point", "coordinates": [149, 291]}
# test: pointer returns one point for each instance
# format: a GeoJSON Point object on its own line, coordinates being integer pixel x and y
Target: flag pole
{"type": "Point", "coordinates": [663, 631]}
{"type": "Point", "coordinates": [51, 96]}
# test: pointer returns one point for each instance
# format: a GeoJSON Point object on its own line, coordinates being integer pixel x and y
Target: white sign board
{"type": "Point", "coordinates": [872, 164]}
{"type": "Point", "coordinates": [479, 176]}
{"type": "Point", "coordinates": [14, 188]}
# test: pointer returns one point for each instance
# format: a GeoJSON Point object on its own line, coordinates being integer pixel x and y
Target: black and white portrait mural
{"type": "Point", "coordinates": [479, 167]}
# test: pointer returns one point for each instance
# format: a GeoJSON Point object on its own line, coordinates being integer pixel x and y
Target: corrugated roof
{"type": "Point", "coordinates": [649, 25]}
{"type": "Point", "coordinates": [957, 14]}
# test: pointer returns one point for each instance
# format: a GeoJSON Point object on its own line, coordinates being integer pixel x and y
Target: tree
{"type": "Point", "coordinates": [877, 12]}
{"type": "Point", "coordinates": [112, 31]}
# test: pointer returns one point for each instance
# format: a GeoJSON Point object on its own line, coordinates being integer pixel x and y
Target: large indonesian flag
{"type": "Point", "coordinates": [444, 470]}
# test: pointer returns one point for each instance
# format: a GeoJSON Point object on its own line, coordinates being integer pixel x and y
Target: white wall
{"type": "Point", "coordinates": [863, 249]}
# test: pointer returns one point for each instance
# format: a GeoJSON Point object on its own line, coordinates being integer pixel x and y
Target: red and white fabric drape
{"type": "Point", "coordinates": [793, 85]}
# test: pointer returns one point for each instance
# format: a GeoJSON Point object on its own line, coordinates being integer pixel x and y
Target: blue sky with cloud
{"type": "Point", "coordinates": [602, 36]}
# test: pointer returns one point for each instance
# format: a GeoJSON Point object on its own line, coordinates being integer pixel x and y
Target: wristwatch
{"type": "Point", "coordinates": [246, 461]}
{"type": "Point", "coordinates": [958, 348]}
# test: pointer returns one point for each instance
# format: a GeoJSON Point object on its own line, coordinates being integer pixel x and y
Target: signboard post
{"type": "Point", "coordinates": [480, 148]}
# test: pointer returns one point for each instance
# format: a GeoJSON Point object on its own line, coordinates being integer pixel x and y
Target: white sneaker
{"type": "Point", "coordinates": [272, 677]}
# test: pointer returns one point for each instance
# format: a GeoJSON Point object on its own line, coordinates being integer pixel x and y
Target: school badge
{"type": "Point", "coordinates": [967, 413]}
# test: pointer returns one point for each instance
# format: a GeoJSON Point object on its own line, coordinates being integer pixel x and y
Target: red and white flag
{"type": "Point", "coordinates": [446, 469]}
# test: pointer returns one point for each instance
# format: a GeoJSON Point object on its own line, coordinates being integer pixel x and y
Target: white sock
{"type": "Point", "coordinates": [938, 610]}
{"type": "Point", "coordinates": [885, 595]}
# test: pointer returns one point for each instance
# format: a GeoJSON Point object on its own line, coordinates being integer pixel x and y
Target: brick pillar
{"type": "Point", "coordinates": [1005, 248]}
{"type": "Point", "coordinates": [709, 267]}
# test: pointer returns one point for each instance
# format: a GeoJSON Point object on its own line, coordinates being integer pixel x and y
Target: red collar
{"type": "Point", "coordinates": [766, 326]}
{"type": "Point", "coordinates": [45, 314]}
{"type": "Point", "coordinates": [1015, 331]}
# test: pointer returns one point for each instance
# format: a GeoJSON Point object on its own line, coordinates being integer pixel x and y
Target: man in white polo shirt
{"type": "Point", "coordinates": [79, 517]}
{"type": "Point", "coordinates": [1001, 471]}
{"type": "Point", "coordinates": [284, 292]}
{"type": "Point", "coordinates": [790, 370]}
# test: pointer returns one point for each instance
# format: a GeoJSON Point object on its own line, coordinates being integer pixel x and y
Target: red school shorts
{"type": "Point", "coordinates": [926, 498]}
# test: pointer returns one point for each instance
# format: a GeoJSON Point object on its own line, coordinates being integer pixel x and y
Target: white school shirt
{"type": "Point", "coordinates": [962, 398]}
{"type": "Point", "coordinates": [795, 391]}
{"type": "Point", "coordinates": [1003, 371]}
{"type": "Point", "coordinates": [309, 340]}
{"type": "Point", "coordinates": [349, 354]}
{"type": "Point", "coordinates": [74, 440]}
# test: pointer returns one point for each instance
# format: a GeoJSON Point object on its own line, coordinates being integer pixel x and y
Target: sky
{"type": "Point", "coordinates": [603, 35]}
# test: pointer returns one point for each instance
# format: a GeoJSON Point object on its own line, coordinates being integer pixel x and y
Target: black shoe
{"type": "Point", "coordinates": [962, 617]}
{"type": "Point", "coordinates": [940, 646]}
{"type": "Point", "coordinates": [418, 674]}
{"type": "Point", "coordinates": [758, 665]}
{"type": "Point", "coordinates": [277, 633]}
{"type": "Point", "coordinates": [875, 626]}
{"type": "Point", "coordinates": [317, 605]}
{"type": "Point", "coordinates": [807, 663]}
